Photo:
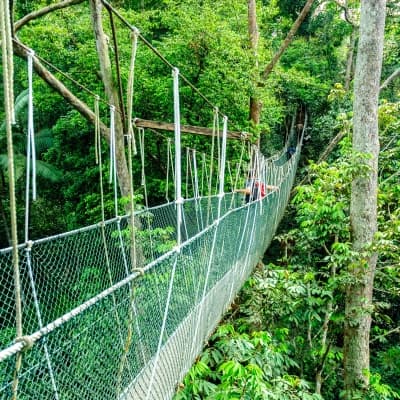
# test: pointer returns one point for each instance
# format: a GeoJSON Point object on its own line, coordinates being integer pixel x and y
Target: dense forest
{"type": "Point", "coordinates": [273, 66]}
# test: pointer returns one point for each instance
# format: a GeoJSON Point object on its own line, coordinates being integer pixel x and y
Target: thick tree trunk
{"type": "Point", "coordinates": [288, 40]}
{"type": "Point", "coordinates": [255, 103]}
{"type": "Point", "coordinates": [363, 211]}
{"type": "Point", "coordinates": [112, 94]}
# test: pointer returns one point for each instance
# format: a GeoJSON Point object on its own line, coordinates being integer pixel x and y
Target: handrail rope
{"type": "Point", "coordinates": [8, 81]}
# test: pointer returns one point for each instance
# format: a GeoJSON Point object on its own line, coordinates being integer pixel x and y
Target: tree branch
{"type": "Point", "coordinates": [288, 40]}
{"type": "Point", "coordinates": [385, 334]}
{"type": "Point", "coordinates": [21, 51]}
{"type": "Point", "coordinates": [345, 8]}
{"type": "Point", "coordinates": [390, 79]}
{"type": "Point", "coordinates": [43, 11]}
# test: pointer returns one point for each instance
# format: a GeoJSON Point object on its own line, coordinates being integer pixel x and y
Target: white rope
{"type": "Point", "coordinates": [169, 158]}
{"type": "Point", "coordinates": [187, 171]}
{"type": "Point", "coordinates": [196, 177]}
{"type": "Point", "coordinates": [215, 129]}
{"type": "Point", "coordinates": [203, 172]}
{"type": "Point", "coordinates": [113, 160]}
{"type": "Point", "coordinates": [130, 88]}
{"type": "Point", "coordinates": [143, 183]}
{"type": "Point", "coordinates": [31, 133]}
{"type": "Point", "coordinates": [39, 317]}
{"type": "Point", "coordinates": [178, 173]}
{"type": "Point", "coordinates": [222, 163]}
{"type": "Point", "coordinates": [164, 321]}
{"type": "Point", "coordinates": [218, 152]}
{"type": "Point", "coordinates": [10, 64]}
{"type": "Point", "coordinates": [8, 82]}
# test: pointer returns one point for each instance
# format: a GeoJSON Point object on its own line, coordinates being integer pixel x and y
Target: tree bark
{"type": "Point", "coordinates": [363, 208]}
{"type": "Point", "coordinates": [111, 93]}
{"type": "Point", "coordinates": [255, 103]}
{"type": "Point", "coordinates": [288, 40]}
{"type": "Point", "coordinates": [350, 60]}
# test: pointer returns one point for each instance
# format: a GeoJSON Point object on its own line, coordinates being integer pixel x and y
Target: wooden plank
{"type": "Point", "coordinates": [197, 130]}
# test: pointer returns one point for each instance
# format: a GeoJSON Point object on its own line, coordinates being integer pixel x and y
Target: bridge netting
{"type": "Point", "coordinates": [98, 327]}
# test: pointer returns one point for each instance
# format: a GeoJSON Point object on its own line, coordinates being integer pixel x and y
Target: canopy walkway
{"type": "Point", "coordinates": [121, 309]}
{"type": "Point", "coordinates": [98, 330]}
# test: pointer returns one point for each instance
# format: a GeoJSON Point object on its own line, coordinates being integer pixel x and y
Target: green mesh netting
{"type": "Point", "coordinates": [103, 330]}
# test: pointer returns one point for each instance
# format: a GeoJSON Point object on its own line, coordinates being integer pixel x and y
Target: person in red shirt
{"type": "Point", "coordinates": [255, 189]}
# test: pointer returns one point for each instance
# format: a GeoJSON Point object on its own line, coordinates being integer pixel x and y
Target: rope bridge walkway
{"type": "Point", "coordinates": [121, 309]}
{"type": "Point", "coordinates": [101, 331]}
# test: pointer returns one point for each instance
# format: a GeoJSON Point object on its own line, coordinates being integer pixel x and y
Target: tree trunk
{"type": "Point", "coordinates": [288, 40]}
{"type": "Point", "coordinates": [112, 94]}
{"type": "Point", "coordinates": [255, 103]}
{"type": "Point", "coordinates": [350, 60]}
{"type": "Point", "coordinates": [363, 208]}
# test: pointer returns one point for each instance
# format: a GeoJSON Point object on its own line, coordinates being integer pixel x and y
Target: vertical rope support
{"type": "Point", "coordinates": [102, 226]}
{"type": "Point", "coordinates": [130, 88]}
{"type": "Point", "coordinates": [31, 159]}
{"type": "Point", "coordinates": [144, 185]}
{"type": "Point", "coordinates": [8, 67]}
{"type": "Point", "coordinates": [164, 322]}
{"type": "Point", "coordinates": [168, 166]}
{"type": "Point", "coordinates": [187, 171]}
{"type": "Point", "coordinates": [222, 165]}
{"type": "Point", "coordinates": [112, 143]}
{"type": "Point", "coordinates": [39, 316]}
{"type": "Point", "coordinates": [10, 63]}
{"type": "Point", "coordinates": [215, 129]}
{"type": "Point", "coordinates": [30, 146]}
{"type": "Point", "coordinates": [178, 161]}
{"type": "Point", "coordinates": [196, 176]}
{"type": "Point", "coordinates": [31, 132]}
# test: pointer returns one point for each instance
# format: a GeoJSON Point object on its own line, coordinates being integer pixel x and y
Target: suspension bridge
{"type": "Point", "coordinates": [121, 309]}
